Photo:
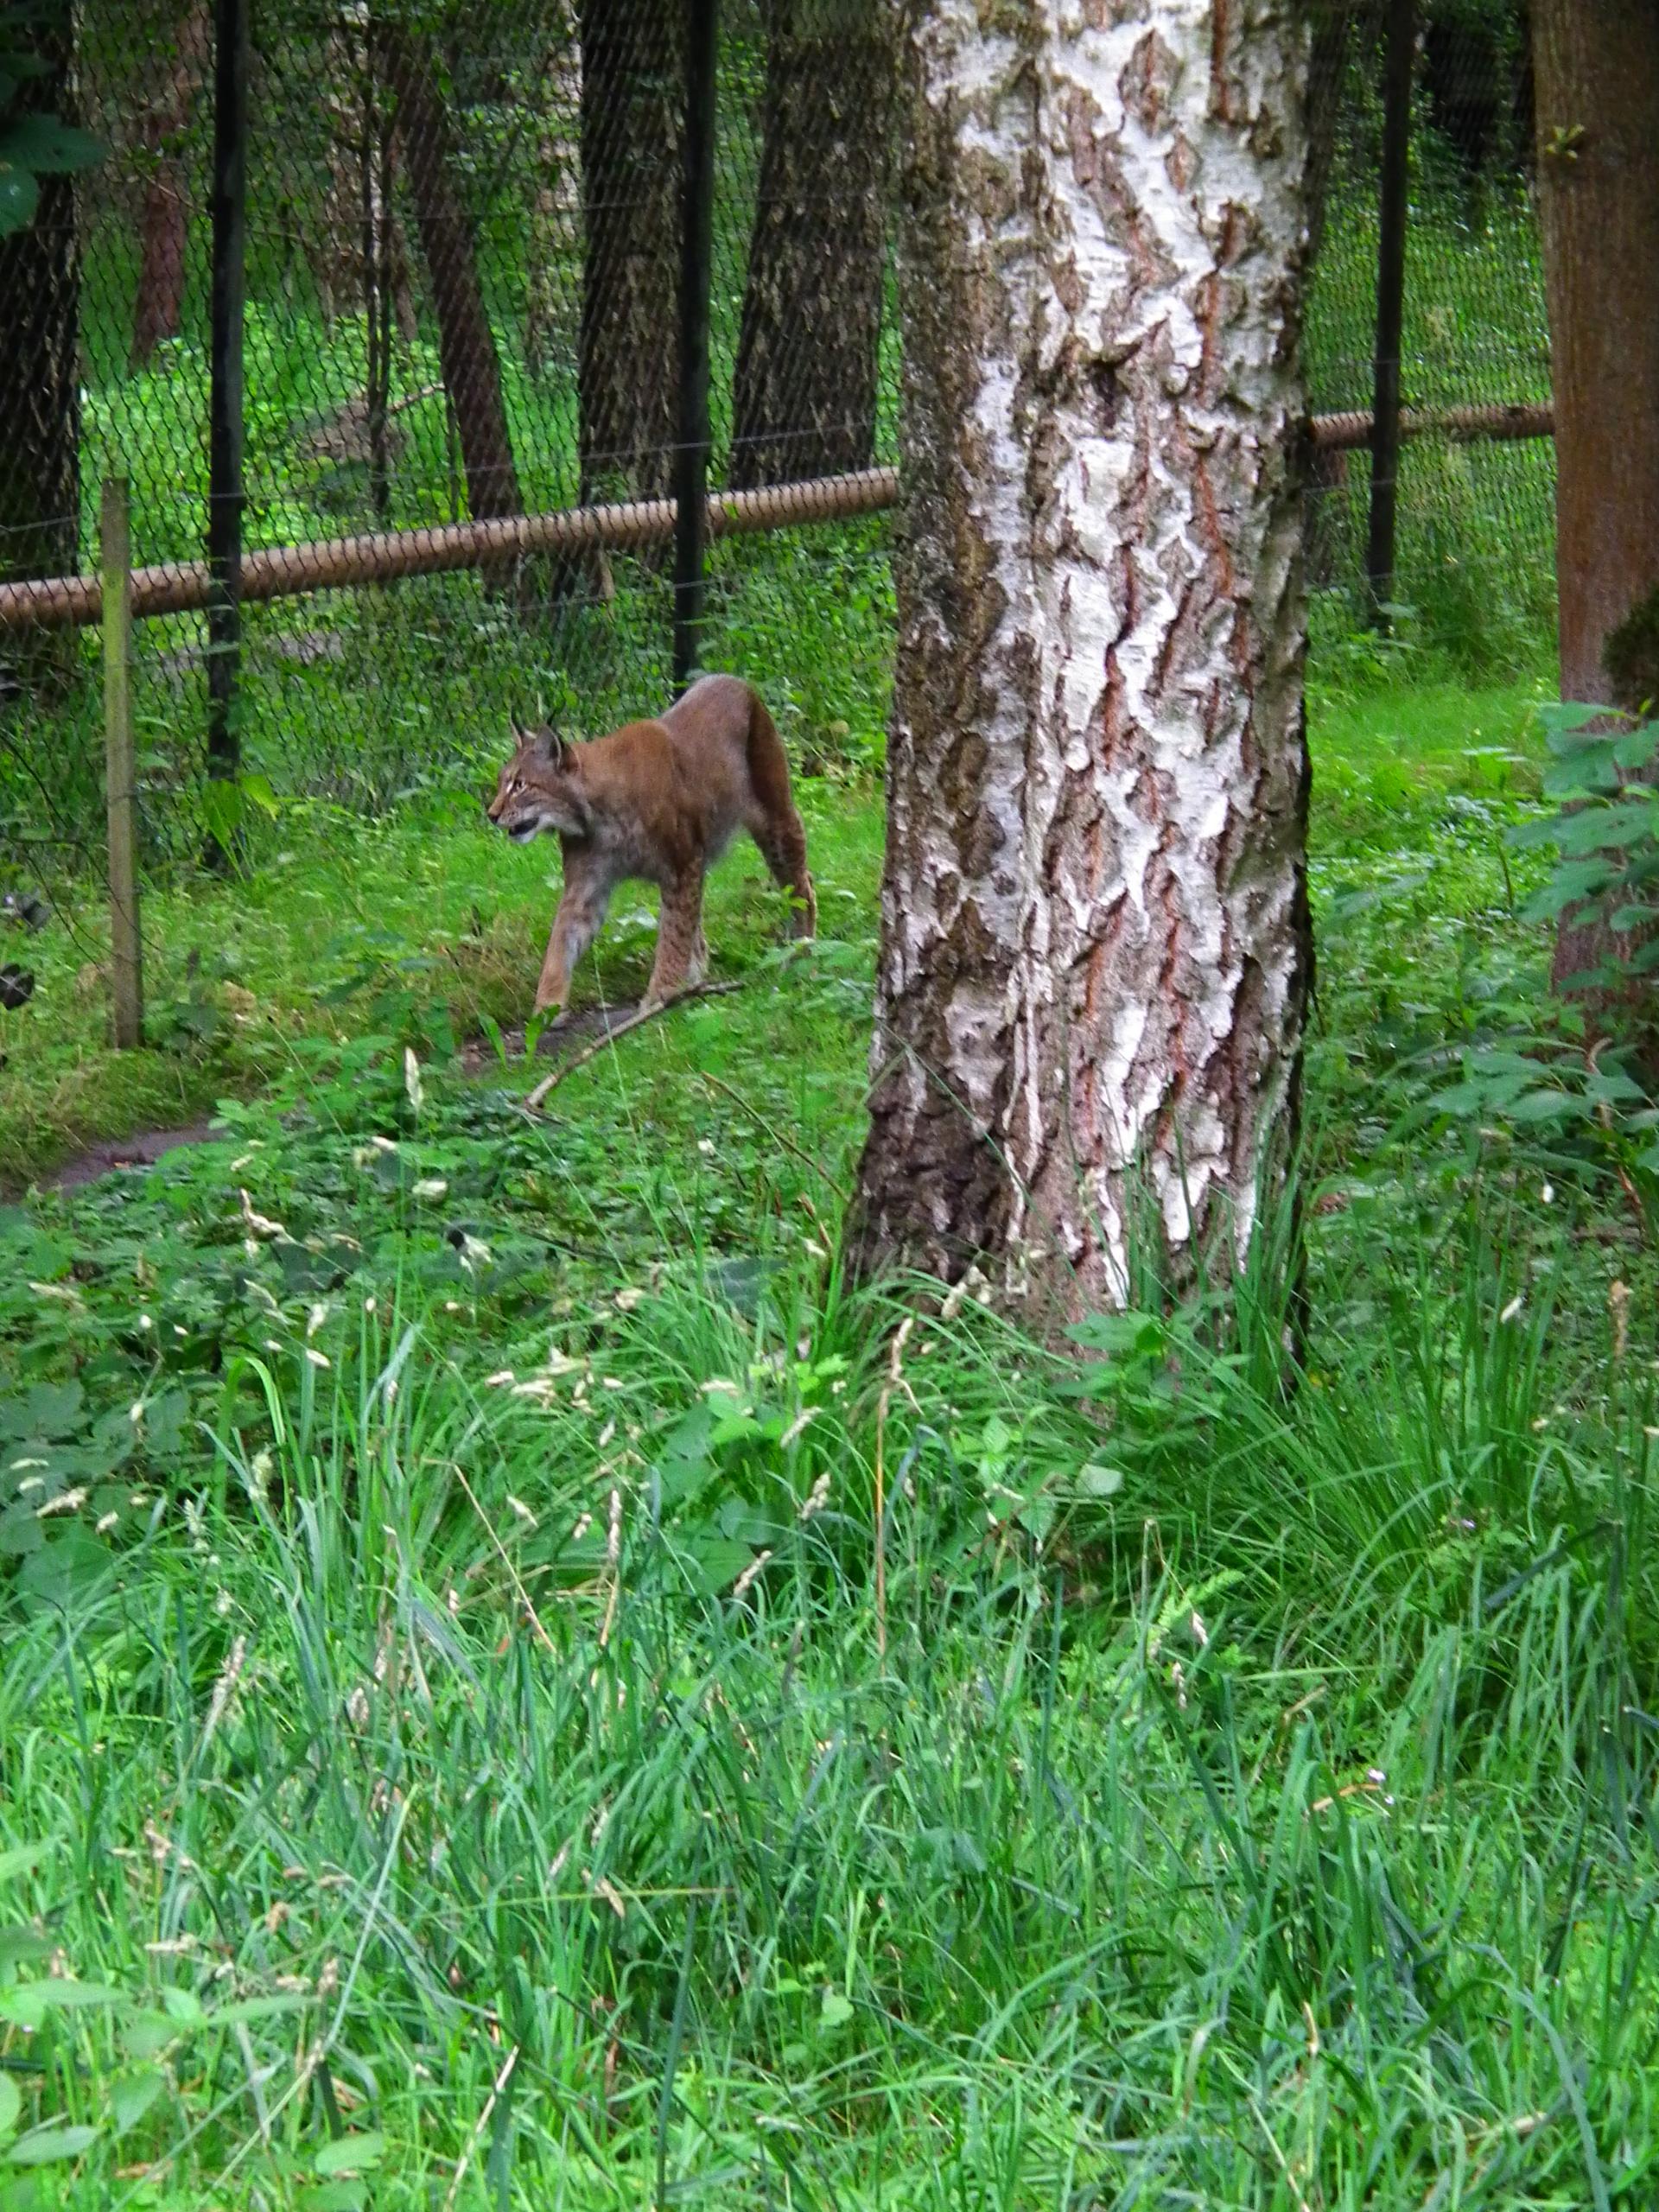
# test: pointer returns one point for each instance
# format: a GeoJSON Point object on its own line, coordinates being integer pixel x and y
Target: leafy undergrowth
{"type": "Point", "coordinates": [519, 1688]}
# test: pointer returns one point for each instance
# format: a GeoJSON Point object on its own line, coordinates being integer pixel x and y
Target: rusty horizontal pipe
{"type": "Point", "coordinates": [380, 556]}
{"type": "Point", "coordinates": [1352, 432]}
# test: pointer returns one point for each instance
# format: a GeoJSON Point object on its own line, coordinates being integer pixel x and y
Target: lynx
{"type": "Point", "coordinates": [658, 802]}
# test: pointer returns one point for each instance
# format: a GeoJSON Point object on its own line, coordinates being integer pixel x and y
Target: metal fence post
{"type": "Point", "coordinates": [696, 239]}
{"type": "Point", "coordinates": [120, 773]}
{"type": "Point", "coordinates": [224, 485]}
{"type": "Point", "coordinates": [1398, 53]}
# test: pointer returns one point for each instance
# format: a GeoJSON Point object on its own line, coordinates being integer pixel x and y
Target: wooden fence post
{"type": "Point", "coordinates": [120, 773]}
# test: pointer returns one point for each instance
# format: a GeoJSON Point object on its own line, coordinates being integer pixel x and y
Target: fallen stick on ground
{"type": "Point", "coordinates": [641, 1014]}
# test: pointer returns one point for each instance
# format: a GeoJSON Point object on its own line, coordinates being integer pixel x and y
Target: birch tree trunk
{"type": "Point", "coordinates": [1096, 950]}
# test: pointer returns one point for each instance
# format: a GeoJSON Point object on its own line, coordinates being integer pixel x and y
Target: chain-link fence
{"type": "Point", "coordinates": [481, 349]}
{"type": "Point", "coordinates": [1474, 542]}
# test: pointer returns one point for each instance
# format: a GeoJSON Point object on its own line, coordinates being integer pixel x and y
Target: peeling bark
{"type": "Point", "coordinates": [1095, 951]}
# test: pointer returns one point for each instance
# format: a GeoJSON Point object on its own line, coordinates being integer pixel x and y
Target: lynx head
{"type": "Point", "coordinates": [539, 788]}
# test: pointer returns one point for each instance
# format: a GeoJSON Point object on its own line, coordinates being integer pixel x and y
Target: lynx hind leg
{"type": "Point", "coordinates": [774, 821]}
{"type": "Point", "coordinates": [783, 846]}
{"type": "Point", "coordinates": [679, 938]}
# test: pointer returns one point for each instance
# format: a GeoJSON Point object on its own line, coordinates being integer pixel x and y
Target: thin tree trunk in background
{"type": "Point", "coordinates": [349, 257]}
{"type": "Point", "coordinates": [804, 391]}
{"type": "Point", "coordinates": [374, 173]}
{"type": "Point", "coordinates": [40, 380]}
{"type": "Point", "coordinates": [1096, 950]}
{"type": "Point", "coordinates": [1596, 75]}
{"type": "Point", "coordinates": [164, 224]}
{"type": "Point", "coordinates": [632, 101]}
{"type": "Point", "coordinates": [472, 372]}
{"type": "Point", "coordinates": [555, 203]}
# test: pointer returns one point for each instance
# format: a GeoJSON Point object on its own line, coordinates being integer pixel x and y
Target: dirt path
{"type": "Point", "coordinates": [141, 1150]}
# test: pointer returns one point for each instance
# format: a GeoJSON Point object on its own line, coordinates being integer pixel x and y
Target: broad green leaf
{"type": "Point", "coordinates": [147, 2034]}
{"type": "Point", "coordinates": [1544, 1106]}
{"type": "Point", "coordinates": [1095, 1481]}
{"type": "Point", "coordinates": [254, 2008]}
{"type": "Point", "coordinates": [1132, 1335]}
{"type": "Point", "coordinates": [11, 2105]}
{"type": "Point", "coordinates": [223, 809]}
{"type": "Point", "coordinates": [132, 2095]}
{"type": "Point", "coordinates": [49, 148]}
{"type": "Point", "coordinates": [66, 1568]}
{"type": "Point", "coordinates": [836, 2010]}
{"type": "Point", "coordinates": [29, 2002]}
{"type": "Point", "coordinates": [51, 2146]}
{"type": "Point", "coordinates": [1563, 719]}
{"type": "Point", "coordinates": [351, 2154]}
{"type": "Point", "coordinates": [713, 1562]}
{"type": "Point", "coordinates": [335, 2197]}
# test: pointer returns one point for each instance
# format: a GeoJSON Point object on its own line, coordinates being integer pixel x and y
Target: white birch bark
{"type": "Point", "coordinates": [1095, 954]}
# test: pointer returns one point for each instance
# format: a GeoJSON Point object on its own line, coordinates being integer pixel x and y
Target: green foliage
{"type": "Point", "coordinates": [34, 144]}
{"type": "Point", "coordinates": [480, 1758]}
{"type": "Point", "coordinates": [1605, 832]}
{"type": "Point", "coordinates": [1476, 528]}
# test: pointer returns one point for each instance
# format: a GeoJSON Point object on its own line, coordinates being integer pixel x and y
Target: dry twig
{"type": "Point", "coordinates": [641, 1014]}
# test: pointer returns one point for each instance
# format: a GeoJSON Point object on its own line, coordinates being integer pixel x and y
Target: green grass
{"type": "Point", "coordinates": [456, 1747]}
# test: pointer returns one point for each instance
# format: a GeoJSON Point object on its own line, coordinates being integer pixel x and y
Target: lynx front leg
{"type": "Point", "coordinates": [679, 937]}
{"type": "Point", "coordinates": [577, 923]}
